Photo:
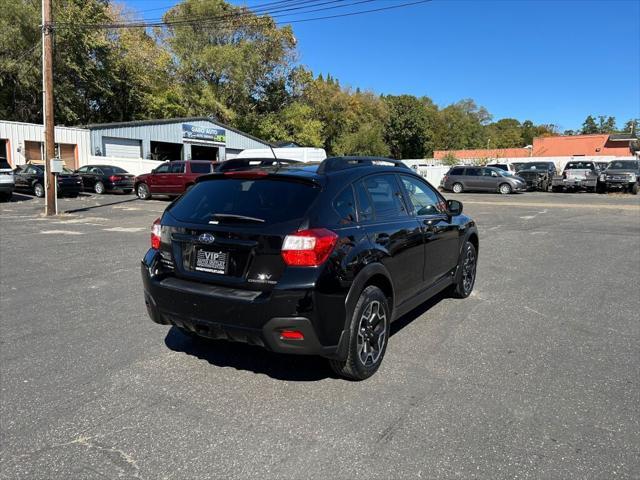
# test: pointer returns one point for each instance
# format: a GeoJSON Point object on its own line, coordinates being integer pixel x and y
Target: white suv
{"type": "Point", "coordinates": [506, 166]}
{"type": "Point", "coordinates": [7, 183]}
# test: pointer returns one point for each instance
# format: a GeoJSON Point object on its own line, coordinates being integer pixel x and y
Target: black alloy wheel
{"type": "Point", "coordinates": [369, 335]}
{"type": "Point", "coordinates": [466, 275]}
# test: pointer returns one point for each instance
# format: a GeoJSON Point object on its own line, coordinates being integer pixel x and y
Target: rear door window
{"type": "Point", "coordinates": [264, 201]}
{"type": "Point", "coordinates": [177, 167]}
{"type": "Point", "coordinates": [472, 172]}
{"type": "Point", "coordinates": [386, 198]}
{"type": "Point", "coordinates": [457, 171]}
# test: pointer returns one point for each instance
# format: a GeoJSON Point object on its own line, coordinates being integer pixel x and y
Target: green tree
{"type": "Point", "coordinates": [368, 139]}
{"type": "Point", "coordinates": [631, 126]}
{"type": "Point", "coordinates": [226, 67]}
{"type": "Point", "coordinates": [589, 126]}
{"type": "Point", "coordinates": [409, 130]}
{"type": "Point", "coordinates": [606, 124]}
{"type": "Point", "coordinates": [505, 133]}
{"type": "Point", "coordinates": [450, 159]}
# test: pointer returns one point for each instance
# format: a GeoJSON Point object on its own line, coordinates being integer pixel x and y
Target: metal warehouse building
{"type": "Point", "coordinates": [194, 138]}
{"type": "Point", "coordinates": [24, 142]}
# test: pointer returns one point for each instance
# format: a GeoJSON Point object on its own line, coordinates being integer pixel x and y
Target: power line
{"type": "Point", "coordinates": [258, 6]}
{"type": "Point", "coordinates": [242, 11]}
{"type": "Point", "coordinates": [232, 15]}
{"type": "Point", "coordinates": [221, 19]}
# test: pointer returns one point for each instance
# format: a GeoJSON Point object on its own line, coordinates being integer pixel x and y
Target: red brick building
{"type": "Point", "coordinates": [611, 145]}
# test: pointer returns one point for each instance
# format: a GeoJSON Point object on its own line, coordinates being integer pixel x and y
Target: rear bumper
{"type": "Point", "coordinates": [119, 186]}
{"type": "Point", "coordinates": [7, 187]}
{"type": "Point", "coordinates": [253, 317]}
{"type": "Point", "coordinates": [575, 183]}
{"type": "Point", "coordinates": [69, 188]}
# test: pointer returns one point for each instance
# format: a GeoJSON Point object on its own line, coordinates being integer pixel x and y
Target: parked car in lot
{"type": "Point", "coordinates": [621, 175]}
{"type": "Point", "coordinates": [538, 175]}
{"type": "Point", "coordinates": [307, 259]}
{"type": "Point", "coordinates": [7, 182]}
{"type": "Point", "coordinates": [505, 166]}
{"type": "Point", "coordinates": [577, 175]}
{"type": "Point", "coordinates": [105, 178]}
{"type": "Point", "coordinates": [30, 178]}
{"type": "Point", "coordinates": [482, 179]}
{"type": "Point", "coordinates": [171, 178]}
{"type": "Point", "coordinates": [519, 166]}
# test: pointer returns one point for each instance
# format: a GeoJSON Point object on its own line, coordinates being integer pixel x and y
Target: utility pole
{"type": "Point", "coordinates": [47, 107]}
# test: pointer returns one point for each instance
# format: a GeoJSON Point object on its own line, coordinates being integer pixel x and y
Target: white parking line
{"type": "Point", "coordinates": [60, 232]}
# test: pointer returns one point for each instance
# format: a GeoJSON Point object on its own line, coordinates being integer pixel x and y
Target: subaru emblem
{"type": "Point", "coordinates": [206, 238]}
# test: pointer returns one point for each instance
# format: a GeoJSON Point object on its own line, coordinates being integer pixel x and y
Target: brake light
{"type": "Point", "coordinates": [115, 178]}
{"type": "Point", "coordinates": [308, 248]}
{"type": "Point", "coordinates": [246, 174]}
{"type": "Point", "coordinates": [156, 231]}
{"type": "Point", "coordinates": [291, 335]}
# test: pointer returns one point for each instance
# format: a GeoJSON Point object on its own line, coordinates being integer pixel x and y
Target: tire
{"type": "Point", "coordinates": [99, 188]}
{"type": "Point", "coordinates": [127, 191]}
{"type": "Point", "coordinates": [556, 189]}
{"type": "Point", "coordinates": [467, 266]}
{"type": "Point", "coordinates": [367, 341]}
{"type": "Point", "coordinates": [457, 188]}
{"type": "Point", "coordinates": [5, 197]}
{"type": "Point", "coordinates": [142, 190]}
{"type": "Point", "coordinates": [504, 189]}
{"type": "Point", "coordinates": [38, 190]}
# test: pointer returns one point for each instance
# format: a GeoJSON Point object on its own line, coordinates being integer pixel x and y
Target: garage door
{"type": "Point", "coordinates": [122, 147]}
{"type": "Point", "coordinates": [68, 155]}
{"type": "Point", "coordinates": [32, 151]}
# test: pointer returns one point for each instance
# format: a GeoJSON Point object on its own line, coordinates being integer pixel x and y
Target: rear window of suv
{"type": "Point", "coordinates": [270, 200]}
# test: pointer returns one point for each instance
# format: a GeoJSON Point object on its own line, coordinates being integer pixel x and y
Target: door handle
{"type": "Point", "coordinates": [432, 224]}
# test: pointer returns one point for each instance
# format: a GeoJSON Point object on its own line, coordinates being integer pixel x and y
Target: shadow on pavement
{"type": "Point", "coordinates": [86, 209]}
{"type": "Point", "coordinates": [297, 368]}
{"type": "Point", "coordinates": [221, 353]}
{"type": "Point", "coordinates": [19, 197]}
{"type": "Point", "coordinates": [421, 309]}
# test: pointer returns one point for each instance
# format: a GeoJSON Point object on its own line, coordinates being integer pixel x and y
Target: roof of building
{"type": "Point", "coordinates": [163, 121]}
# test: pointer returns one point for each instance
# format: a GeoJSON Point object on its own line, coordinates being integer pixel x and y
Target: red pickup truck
{"type": "Point", "coordinates": [171, 178]}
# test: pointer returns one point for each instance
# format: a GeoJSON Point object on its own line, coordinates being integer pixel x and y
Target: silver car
{"type": "Point", "coordinates": [7, 183]}
{"type": "Point", "coordinates": [482, 179]}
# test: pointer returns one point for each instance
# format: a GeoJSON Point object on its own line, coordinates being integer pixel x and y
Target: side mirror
{"type": "Point", "coordinates": [454, 207]}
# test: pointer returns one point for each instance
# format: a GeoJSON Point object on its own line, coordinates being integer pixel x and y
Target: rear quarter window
{"type": "Point", "coordinates": [271, 200]}
{"type": "Point", "coordinates": [200, 168]}
{"type": "Point", "coordinates": [345, 205]}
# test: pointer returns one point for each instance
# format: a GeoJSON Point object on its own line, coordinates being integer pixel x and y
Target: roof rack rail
{"type": "Point", "coordinates": [333, 164]}
{"type": "Point", "coordinates": [250, 163]}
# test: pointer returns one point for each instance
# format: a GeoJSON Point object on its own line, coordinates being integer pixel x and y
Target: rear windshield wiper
{"type": "Point", "coordinates": [216, 217]}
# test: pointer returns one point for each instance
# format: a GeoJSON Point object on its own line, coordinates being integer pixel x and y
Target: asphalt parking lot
{"type": "Point", "coordinates": [536, 375]}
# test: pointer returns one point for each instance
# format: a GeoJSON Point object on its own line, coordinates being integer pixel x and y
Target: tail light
{"type": "Point", "coordinates": [115, 178]}
{"type": "Point", "coordinates": [156, 231]}
{"type": "Point", "coordinates": [308, 248]}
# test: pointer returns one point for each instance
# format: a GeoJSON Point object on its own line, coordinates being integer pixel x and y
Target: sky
{"type": "Point", "coordinates": [545, 61]}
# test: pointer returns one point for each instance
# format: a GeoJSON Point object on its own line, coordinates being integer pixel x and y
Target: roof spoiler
{"type": "Point", "coordinates": [334, 164]}
{"type": "Point", "coordinates": [236, 164]}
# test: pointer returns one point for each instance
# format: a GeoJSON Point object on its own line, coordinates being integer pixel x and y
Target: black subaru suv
{"type": "Point", "coordinates": [307, 259]}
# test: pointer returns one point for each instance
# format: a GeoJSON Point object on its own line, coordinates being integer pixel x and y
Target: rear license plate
{"type": "Point", "coordinates": [211, 262]}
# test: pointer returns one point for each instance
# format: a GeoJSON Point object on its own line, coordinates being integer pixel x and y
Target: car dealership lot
{"type": "Point", "coordinates": [536, 375]}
